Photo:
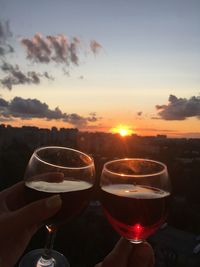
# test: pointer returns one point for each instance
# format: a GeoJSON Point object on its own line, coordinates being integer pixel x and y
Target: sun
{"type": "Point", "coordinates": [122, 130]}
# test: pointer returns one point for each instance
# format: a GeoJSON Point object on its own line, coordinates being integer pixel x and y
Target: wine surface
{"type": "Point", "coordinates": [75, 196]}
{"type": "Point", "coordinates": [135, 212]}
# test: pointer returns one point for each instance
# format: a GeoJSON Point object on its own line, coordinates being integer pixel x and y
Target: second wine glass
{"type": "Point", "coordinates": [64, 171]}
{"type": "Point", "coordinates": [135, 196]}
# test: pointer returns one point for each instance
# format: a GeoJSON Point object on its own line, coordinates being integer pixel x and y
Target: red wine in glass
{"type": "Point", "coordinates": [135, 212]}
{"type": "Point", "coordinates": [75, 197]}
{"type": "Point", "coordinates": [135, 196]}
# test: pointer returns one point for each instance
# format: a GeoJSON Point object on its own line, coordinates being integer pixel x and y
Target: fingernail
{"type": "Point", "coordinates": [54, 202]}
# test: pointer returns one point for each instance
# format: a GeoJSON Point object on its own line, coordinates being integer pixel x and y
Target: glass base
{"type": "Point", "coordinates": [136, 241]}
{"type": "Point", "coordinates": [31, 259]}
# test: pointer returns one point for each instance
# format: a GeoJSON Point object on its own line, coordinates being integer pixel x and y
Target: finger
{"type": "Point", "coordinates": [13, 190]}
{"type": "Point", "coordinates": [118, 257]}
{"type": "Point", "coordinates": [38, 211]}
{"type": "Point", "coordinates": [142, 255]}
{"type": "Point", "coordinates": [12, 197]}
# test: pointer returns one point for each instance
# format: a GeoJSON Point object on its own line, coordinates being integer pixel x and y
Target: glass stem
{"type": "Point", "coordinates": [51, 234]}
{"type": "Point", "coordinates": [46, 259]}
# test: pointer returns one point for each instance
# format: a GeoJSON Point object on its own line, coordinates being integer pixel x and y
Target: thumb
{"type": "Point", "coordinates": [142, 256]}
{"type": "Point", "coordinates": [38, 211]}
{"type": "Point", "coordinates": [118, 257]}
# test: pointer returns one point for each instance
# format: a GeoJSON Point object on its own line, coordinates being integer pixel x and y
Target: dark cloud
{"type": "Point", "coordinates": [93, 117]}
{"type": "Point", "coordinates": [76, 119]}
{"type": "Point", "coordinates": [55, 48]}
{"type": "Point", "coordinates": [46, 75]}
{"type": "Point", "coordinates": [7, 67]}
{"type": "Point", "coordinates": [33, 108]}
{"type": "Point", "coordinates": [5, 34]}
{"type": "Point", "coordinates": [80, 121]}
{"type": "Point", "coordinates": [37, 49]}
{"type": "Point", "coordinates": [73, 48]}
{"type": "Point", "coordinates": [3, 102]}
{"type": "Point", "coordinates": [5, 31]}
{"type": "Point", "coordinates": [52, 48]}
{"type": "Point", "coordinates": [24, 108]}
{"type": "Point", "coordinates": [15, 76]}
{"type": "Point", "coordinates": [179, 108]}
{"type": "Point", "coordinates": [34, 77]}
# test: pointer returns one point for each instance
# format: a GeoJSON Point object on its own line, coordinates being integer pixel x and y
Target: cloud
{"type": "Point", "coordinates": [95, 46]}
{"type": "Point", "coordinates": [52, 48]}
{"type": "Point", "coordinates": [80, 121]}
{"type": "Point", "coordinates": [4, 119]}
{"type": "Point", "coordinates": [48, 76]}
{"type": "Point", "coordinates": [139, 113]}
{"type": "Point", "coordinates": [3, 103]}
{"type": "Point", "coordinates": [55, 48]}
{"type": "Point", "coordinates": [180, 108]}
{"type": "Point", "coordinates": [73, 48]}
{"type": "Point", "coordinates": [34, 108]}
{"type": "Point", "coordinates": [76, 120]}
{"type": "Point", "coordinates": [16, 76]}
{"type": "Point", "coordinates": [5, 34]}
{"type": "Point", "coordinates": [4, 31]}
{"type": "Point", "coordinates": [93, 117]}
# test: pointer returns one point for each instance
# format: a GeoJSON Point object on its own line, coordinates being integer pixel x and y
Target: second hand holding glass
{"type": "Point", "coordinates": [135, 196]}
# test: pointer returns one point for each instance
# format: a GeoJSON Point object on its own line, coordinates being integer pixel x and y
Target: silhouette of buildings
{"type": "Point", "coordinates": [182, 157]}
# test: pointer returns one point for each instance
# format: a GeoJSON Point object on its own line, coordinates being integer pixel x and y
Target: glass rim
{"type": "Point", "coordinates": [105, 167]}
{"type": "Point", "coordinates": [35, 154]}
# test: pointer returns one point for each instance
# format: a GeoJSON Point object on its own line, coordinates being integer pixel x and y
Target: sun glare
{"type": "Point", "coordinates": [122, 130]}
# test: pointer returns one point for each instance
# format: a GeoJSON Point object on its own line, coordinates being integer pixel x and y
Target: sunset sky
{"type": "Point", "coordinates": [95, 65]}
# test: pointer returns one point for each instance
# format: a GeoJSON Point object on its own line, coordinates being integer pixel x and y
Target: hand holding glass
{"type": "Point", "coordinates": [64, 171]}
{"type": "Point", "coordinates": [135, 196]}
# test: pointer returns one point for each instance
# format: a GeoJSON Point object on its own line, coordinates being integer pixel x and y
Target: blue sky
{"type": "Point", "coordinates": [149, 51]}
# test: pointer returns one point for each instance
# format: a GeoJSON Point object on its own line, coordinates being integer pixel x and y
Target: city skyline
{"type": "Point", "coordinates": [97, 65]}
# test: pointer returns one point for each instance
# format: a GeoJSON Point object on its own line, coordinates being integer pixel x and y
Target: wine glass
{"type": "Point", "coordinates": [64, 171]}
{"type": "Point", "coordinates": [135, 196]}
